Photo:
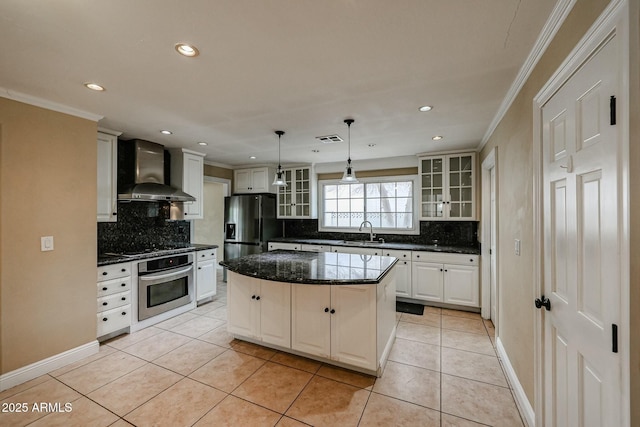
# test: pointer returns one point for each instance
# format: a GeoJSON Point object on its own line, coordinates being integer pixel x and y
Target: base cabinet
{"type": "Point", "coordinates": [259, 309]}
{"type": "Point", "coordinates": [114, 300]}
{"type": "Point", "coordinates": [446, 278]}
{"type": "Point", "coordinates": [206, 281]}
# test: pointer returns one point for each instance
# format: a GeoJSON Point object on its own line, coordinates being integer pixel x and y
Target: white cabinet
{"type": "Point", "coordinates": [256, 180]}
{"type": "Point", "coordinates": [447, 187]}
{"type": "Point", "coordinates": [107, 176]}
{"type": "Point", "coordinates": [259, 309]}
{"type": "Point", "coordinates": [206, 280]}
{"type": "Point", "coordinates": [272, 246]}
{"type": "Point", "coordinates": [114, 300]}
{"type": "Point", "coordinates": [187, 174]}
{"type": "Point", "coordinates": [403, 271]}
{"type": "Point", "coordinates": [298, 198]}
{"type": "Point", "coordinates": [335, 322]}
{"type": "Point", "coordinates": [446, 278]}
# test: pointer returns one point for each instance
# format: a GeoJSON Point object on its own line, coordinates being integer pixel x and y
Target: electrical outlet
{"type": "Point", "coordinates": [46, 243]}
{"type": "Point", "coordinates": [517, 247]}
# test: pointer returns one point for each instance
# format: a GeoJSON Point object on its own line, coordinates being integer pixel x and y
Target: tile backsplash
{"type": "Point", "coordinates": [453, 233]}
{"type": "Point", "coordinates": [141, 226]}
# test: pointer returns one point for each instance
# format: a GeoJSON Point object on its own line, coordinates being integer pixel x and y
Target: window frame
{"type": "Point", "coordinates": [377, 230]}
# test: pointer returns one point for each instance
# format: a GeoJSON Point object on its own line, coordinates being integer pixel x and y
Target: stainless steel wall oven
{"type": "Point", "coordinates": [164, 284]}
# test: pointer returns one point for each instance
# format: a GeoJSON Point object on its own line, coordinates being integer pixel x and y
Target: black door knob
{"type": "Point", "coordinates": [258, 298]}
{"type": "Point", "coordinates": [543, 302]}
{"type": "Point", "coordinates": [332, 311]}
{"type": "Point", "coordinates": [326, 310]}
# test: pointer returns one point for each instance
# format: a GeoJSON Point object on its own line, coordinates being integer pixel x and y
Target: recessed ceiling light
{"type": "Point", "coordinates": [94, 86]}
{"type": "Point", "coordinates": [166, 132]}
{"type": "Point", "coordinates": [425, 108]}
{"type": "Point", "coordinates": [187, 50]}
{"type": "Point", "coordinates": [252, 157]}
{"type": "Point", "coordinates": [437, 137]}
{"type": "Point", "coordinates": [202, 143]}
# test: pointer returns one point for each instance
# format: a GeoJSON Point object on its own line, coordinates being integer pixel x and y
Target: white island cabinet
{"type": "Point", "coordinates": [320, 312]}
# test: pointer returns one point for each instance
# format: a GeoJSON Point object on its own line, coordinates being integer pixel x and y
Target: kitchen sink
{"type": "Point", "coordinates": [362, 242]}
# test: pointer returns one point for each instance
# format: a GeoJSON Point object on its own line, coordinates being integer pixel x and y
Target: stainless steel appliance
{"type": "Point", "coordinates": [164, 284]}
{"type": "Point", "coordinates": [249, 222]}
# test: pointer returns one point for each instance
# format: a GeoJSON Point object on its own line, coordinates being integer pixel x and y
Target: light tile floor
{"type": "Point", "coordinates": [442, 371]}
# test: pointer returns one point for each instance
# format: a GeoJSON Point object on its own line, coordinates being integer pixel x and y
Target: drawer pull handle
{"type": "Point", "coordinates": [104, 319]}
{"type": "Point", "coordinates": [124, 298]}
{"type": "Point", "coordinates": [105, 303]}
{"type": "Point", "coordinates": [123, 284]}
{"type": "Point", "coordinates": [123, 270]}
{"type": "Point", "coordinates": [104, 273]}
{"type": "Point", "coordinates": [105, 288]}
{"type": "Point", "coordinates": [124, 313]}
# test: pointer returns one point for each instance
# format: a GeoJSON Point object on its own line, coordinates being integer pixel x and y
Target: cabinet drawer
{"type": "Point", "coordinates": [112, 301]}
{"type": "Point", "coordinates": [401, 255]}
{"type": "Point", "coordinates": [206, 255]}
{"type": "Point", "coordinates": [107, 272]}
{"type": "Point", "coordinates": [445, 258]}
{"type": "Point", "coordinates": [284, 246]}
{"type": "Point", "coordinates": [109, 287]}
{"type": "Point", "coordinates": [315, 248]}
{"type": "Point", "coordinates": [113, 320]}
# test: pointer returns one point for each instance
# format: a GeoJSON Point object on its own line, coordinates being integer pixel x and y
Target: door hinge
{"type": "Point", "coordinates": [614, 338]}
{"type": "Point", "coordinates": [612, 110]}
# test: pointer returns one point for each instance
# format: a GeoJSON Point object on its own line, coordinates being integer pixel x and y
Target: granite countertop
{"type": "Point", "coordinates": [387, 245]}
{"type": "Point", "coordinates": [108, 259]}
{"type": "Point", "coordinates": [324, 268]}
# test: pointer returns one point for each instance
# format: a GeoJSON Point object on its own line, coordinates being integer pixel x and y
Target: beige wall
{"type": "Point", "coordinates": [47, 188]}
{"type": "Point", "coordinates": [514, 141]}
{"type": "Point", "coordinates": [210, 229]}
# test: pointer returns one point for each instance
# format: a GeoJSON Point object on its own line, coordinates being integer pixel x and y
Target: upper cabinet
{"type": "Point", "coordinates": [107, 176]}
{"type": "Point", "coordinates": [298, 198]}
{"type": "Point", "coordinates": [187, 173]}
{"type": "Point", "coordinates": [447, 187]}
{"type": "Point", "coordinates": [255, 180]}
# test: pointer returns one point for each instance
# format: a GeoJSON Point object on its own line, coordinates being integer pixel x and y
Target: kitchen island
{"type": "Point", "coordinates": [332, 307]}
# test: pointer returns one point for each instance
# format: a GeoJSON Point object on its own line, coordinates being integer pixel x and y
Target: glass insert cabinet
{"type": "Point", "coordinates": [297, 199]}
{"type": "Point", "coordinates": [447, 187]}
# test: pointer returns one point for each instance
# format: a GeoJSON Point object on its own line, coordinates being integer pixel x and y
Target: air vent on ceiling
{"type": "Point", "coordinates": [329, 139]}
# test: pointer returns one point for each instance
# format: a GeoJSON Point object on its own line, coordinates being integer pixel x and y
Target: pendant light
{"type": "Point", "coordinates": [279, 181]}
{"type": "Point", "coordinates": [349, 176]}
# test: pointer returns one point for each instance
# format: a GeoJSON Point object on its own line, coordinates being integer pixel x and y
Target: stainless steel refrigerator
{"type": "Point", "coordinates": [249, 222]}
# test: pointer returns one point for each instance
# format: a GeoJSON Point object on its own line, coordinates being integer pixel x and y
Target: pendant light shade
{"type": "Point", "coordinates": [349, 176]}
{"type": "Point", "coordinates": [278, 180]}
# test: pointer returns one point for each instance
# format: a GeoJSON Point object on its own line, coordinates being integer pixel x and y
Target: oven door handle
{"type": "Point", "coordinates": [164, 276]}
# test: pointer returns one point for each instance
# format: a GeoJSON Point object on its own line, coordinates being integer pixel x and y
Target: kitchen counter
{"type": "Point", "coordinates": [323, 268]}
{"type": "Point", "coordinates": [105, 259]}
{"type": "Point", "coordinates": [386, 245]}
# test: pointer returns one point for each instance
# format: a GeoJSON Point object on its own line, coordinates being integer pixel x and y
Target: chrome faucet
{"type": "Point", "coordinates": [371, 235]}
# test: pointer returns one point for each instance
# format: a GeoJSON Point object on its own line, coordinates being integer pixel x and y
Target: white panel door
{"type": "Point", "coordinates": [427, 281]}
{"type": "Point", "coordinates": [275, 313]}
{"type": "Point", "coordinates": [581, 278]}
{"type": "Point", "coordinates": [353, 325]}
{"type": "Point", "coordinates": [310, 319]}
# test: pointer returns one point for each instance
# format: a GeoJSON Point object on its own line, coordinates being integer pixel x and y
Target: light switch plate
{"type": "Point", "coordinates": [517, 247]}
{"type": "Point", "coordinates": [46, 243]}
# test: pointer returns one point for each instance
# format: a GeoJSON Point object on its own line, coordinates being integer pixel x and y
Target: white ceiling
{"type": "Point", "coordinates": [301, 66]}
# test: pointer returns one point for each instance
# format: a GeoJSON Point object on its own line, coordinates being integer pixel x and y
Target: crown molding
{"type": "Point", "coordinates": [548, 32]}
{"type": "Point", "coordinates": [49, 105]}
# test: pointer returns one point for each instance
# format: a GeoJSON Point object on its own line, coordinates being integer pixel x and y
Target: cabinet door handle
{"type": "Point", "coordinates": [104, 319]}
{"type": "Point", "coordinates": [253, 297]}
{"type": "Point", "coordinates": [105, 303]}
{"type": "Point", "coordinates": [332, 311]}
{"type": "Point", "coordinates": [440, 269]}
{"type": "Point", "coordinates": [417, 256]}
{"type": "Point", "coordinates": [104, 273]}
{"type": "Point", "coordinates": [257, 298]}
{"type": "Point", "coordinates": [105, 288]}
{"type": "Point", "coordinates": [123, 284]}
{"type": "Point", "coordinates": [445, 270]}
{"type": "Point", "coordinates": [124, 313]}
{"type": "Point", "coordinates": [123, 270]}
{"type": "Point", "coordinates": [124, 298]}
{"type": "Point", "coordinates": [326, 310]}
{"type": "Point", "coordinates": [199, 268]}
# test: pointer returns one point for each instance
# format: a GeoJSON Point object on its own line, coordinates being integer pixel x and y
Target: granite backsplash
{"type": "Point", "coordinates": [451, 233]}
{"type": "Point", "coordinates": [142, 226]}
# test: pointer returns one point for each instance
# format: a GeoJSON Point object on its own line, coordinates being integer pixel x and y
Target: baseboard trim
{"type": "Point", "coordinates": [525, 408]}
{"type": "Point", "coordinates": [34, 370]}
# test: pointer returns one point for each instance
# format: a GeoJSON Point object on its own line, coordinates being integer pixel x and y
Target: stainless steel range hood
{"type": "Point", "coordinates": [141, 172]}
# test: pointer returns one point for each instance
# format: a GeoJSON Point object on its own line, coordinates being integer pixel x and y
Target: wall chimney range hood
{"type": "Point", "coordinates": [142, 169]}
